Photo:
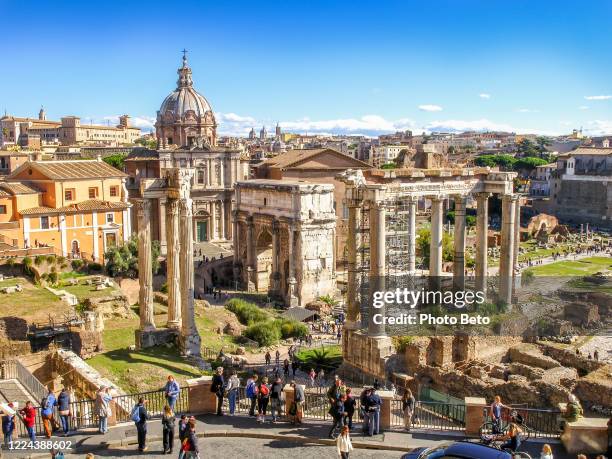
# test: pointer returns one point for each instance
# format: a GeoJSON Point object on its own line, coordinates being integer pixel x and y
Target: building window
{"type": "Point", "coordinates": [265, 201]}
{"type": "Point", "coordinates": [2, 209]}
{"type": "Point", "coordinates": [110, 217]}
{"type": "Point", "coordinates": [44, 222]}
{"type": "Point", "coordinates": [201, 176]}
{"type": "Point", "coordinates": [69, 194]}
{"type": "Point", "coordinates": [93, 192]}
{"type": "Point", "coordinates": [114, 191]}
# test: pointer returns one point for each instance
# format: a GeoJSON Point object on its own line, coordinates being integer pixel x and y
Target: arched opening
{"type": "Point", "coordinates": [75, 249]}
{"type": "Point", "coordinates": [264, 260]}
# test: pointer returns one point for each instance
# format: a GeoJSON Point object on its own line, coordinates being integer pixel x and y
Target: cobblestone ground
{"type": "Point", "coordinates": [250, 448]}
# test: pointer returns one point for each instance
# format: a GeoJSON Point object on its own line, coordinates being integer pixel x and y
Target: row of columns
{"type": "Point", "coordinates": [179, 237]}
{"type": "Point", "coordinates": [377, 229]}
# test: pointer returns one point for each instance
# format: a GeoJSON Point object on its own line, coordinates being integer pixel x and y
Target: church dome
{"type": "Point", "coordinates": [184, 98]}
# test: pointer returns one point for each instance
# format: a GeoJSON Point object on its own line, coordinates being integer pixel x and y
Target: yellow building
{"type": "Point", "coordinates": [78, 208]}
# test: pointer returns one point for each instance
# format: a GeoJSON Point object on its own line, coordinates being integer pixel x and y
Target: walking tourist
{"type": "Point", "coordinates": [321, 377]}
{"type": "Point", "coordinates": [343, 443]}
{"type": "Point", "coordinates": [512, 436]}
{"type": "Point", "coordinates": [8, 426]}
{"type": "Point", "coordinates": [47, 405]}
{"type": "Point", "coordinates": [268, 358]}
{"type": "Point", "coordinates": [189, 447]}
{"type": "Point", "coordinates": [294, 367]}
{"type": "Point", "coordinates": [168, 421]}
{"type": "Point", "coordinates": [408, 403]}
{"type": "Point", "coordinates": [336, 390]}
{"type": "Point", "coordinates": [140, 416]}
{"type": "Point", "coordinates": [276, 392]}
{"type": "Point", "coordinates": [374, 404]}
{"type": "Point", "coordinates": [298, 397]}
{"type": "Point", "coordinates": [546, 452]}
{"type": "Point", "coordinates": [365, 414]}
{"type": "Point", "coordinates": [103, 409]}
{"type": "Point", "coordinates": [277, 357]}
{"type": "Point", "coordinates": [286, 368]}
{"type": "Point", "coordinates": [63, 408]}
{"type": "Point", "coordinates": [251, 393]}
{"type": "Point", "coordinates": [218, 387]}
{"type": "Point", "coordinates": [349, 408]}
{"type": "Point", "coordinates": [496, 414]}
{"type": "Point", "coordinates": [338, 414]}
{"type": "Point", "coordinates": [182, 433]}
{"type": "Point", "coordinates": [263, 397]}
{"type": "Point", "coordinates": [172, 391]}
{"type": "Point", "coordinates": [312, 375]}
{"type": "Point", "coordinates": [28, 413]}
{"type": "Point", "coordinates": [232, 391]}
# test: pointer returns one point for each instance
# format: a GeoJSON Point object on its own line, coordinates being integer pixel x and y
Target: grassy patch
{"type": "Point", "coordinates": [328, 357]}
{"type": "Point", "coordinates": [34, 303]}
{"type": "Point", "coordinates": [583, 267]}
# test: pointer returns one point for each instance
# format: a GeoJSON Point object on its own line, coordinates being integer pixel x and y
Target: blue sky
{"type": "Point", "coordinates": [318, 66]}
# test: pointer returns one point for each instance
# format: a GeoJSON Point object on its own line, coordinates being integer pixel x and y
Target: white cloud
{"type": "Point", "coordinates": [597, 97]}
{"type": "Point", "coordinates": [369, 124]}
{"type": "Point", "coordinates": [598, 127]}
{"type": "Point", "coordinates": [465, 125]}
{"type": "Point", "coordinates": [527, 110]}
{"type": "Point", "coordinates": [430, 108]}
{"type": "Point", "coordinates": [583, 107]}
{"type": "Point", "coordinates": [484, 95]}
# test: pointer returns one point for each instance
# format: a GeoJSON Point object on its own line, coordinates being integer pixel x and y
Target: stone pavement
{"type": "Point", "coordinates": [227, 427]}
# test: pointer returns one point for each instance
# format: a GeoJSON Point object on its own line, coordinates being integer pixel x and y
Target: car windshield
{"type": "Point", "coordinates": [433, 453]}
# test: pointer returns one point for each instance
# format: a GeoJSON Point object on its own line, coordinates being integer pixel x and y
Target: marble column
{"type": "Point", "coordinates": [292, 298]}
{"type": "Point", "coordinates": [251, 256]}
{"type": "Point", "coordinates": [459, 245]}
{"type": "Point", "coordinates": [482, 235]}
{"type": "Point", "coordinates": [412, 211]}
{"type": "Point", "coordinates": [275, 285]}
{"type": "Point", "coordinates": [378, 241]}
{"type": "Point", "coordinates": [222, 220]}
{"type": "Point", "coordinates": [353, 242]}
{"type": "Point", "coordinates": [213, 220]}
{"type": "Point", "coordinates": [507, 248]}
{"type": "Point", "coordinates": [145, 266]}
{"type": "Point", "coordinates": [190, 342]}
{"type": "Point", "coordinates": [210, 173]}
{"type": "Point", "coordinates": [162, 224]}
{"type": "Point", "coordinates": [173, 264]}
{"type": "Point", "coordinates": [437, 230]}
{"type": "Point", "coordinates": [517, 235]}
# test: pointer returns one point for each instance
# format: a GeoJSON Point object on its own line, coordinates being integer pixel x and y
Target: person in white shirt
{"type": "Point", "coordinates": [546, 452]}
{"type": "Point", "coordinates": [232, 392]}
{"type": "Point", "coordinates": [343, 443]}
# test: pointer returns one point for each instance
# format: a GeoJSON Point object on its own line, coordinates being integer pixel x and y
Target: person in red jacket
{"type": "Point", "coordinates": [29, 419]}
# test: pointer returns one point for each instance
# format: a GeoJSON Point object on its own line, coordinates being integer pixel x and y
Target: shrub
{"type": "Point", "coordinates": [328, 358]}
{"type": "Point", "coordinates": [247, 313]}
{"type": "Point", "coordinates": [52, 277]}
{"type": "Point", "coordinates": [95, 267]}
{"type": "Point", "coordinates": [292, 328]}
{"type": "Point", "coordinates": [61, 260]}
{"type": "Point", "coordinates": [265, 333]}
{"type": "Point", "coordinates": [39, 260]}
{"type": "Point", "coordinates": [50, 259]}
{"type": "Point", "coordinates": [328, 300]}
{"type": "Point", "coordinates": [11, 262]}
{"type": "Point", "coordinates": [76, 264]}
{"type": "Point", "coordinates": [401, 342]}
{"type": "Point", "coordinates": [164, 288]}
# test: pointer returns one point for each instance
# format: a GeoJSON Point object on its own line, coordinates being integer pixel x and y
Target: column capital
{"type": "Point", "coordinates": [482, 195]}
{"type": "Point", "coordinates": [459, 198]}
{"type": "Point", "coordinates": [143, 207]}
{"type": "Point", "coordinates": [172, 207]}
{"type": "Point", "coordinates": [412, 199]}
{"type": "Point", "coordinates": [510, 197]}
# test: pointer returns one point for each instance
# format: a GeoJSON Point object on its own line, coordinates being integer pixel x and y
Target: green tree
{"type": "Point", "coordinates": [528, 164]}
{"type": "Point", "coordinates": [116, 160]}
{"type": "Point", "coordinates": [147, 142]}
{"type": "Point", "coordinates": [122, 261]}
{"type": "Point", "coordinates": [527, 148]}
{"type": "Point", "coordinates": [424, 241]}
{"type": "Point", "coordinates": [543, 142]}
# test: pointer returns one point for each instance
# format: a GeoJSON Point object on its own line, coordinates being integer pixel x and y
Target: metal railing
{"type": "Point", "coordinates": [155, 402]}
{"type": "Point", "coordinates": [537, 423]}
{"type": "Point", "coordinates": [437, 416]}
{"type": "Point", "coordinates": [16, 370]}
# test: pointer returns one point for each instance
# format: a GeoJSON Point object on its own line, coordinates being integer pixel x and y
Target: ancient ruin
{"type": "Point", "coordinates": [285, 244]}
{"type": "Point", "coordinates": [175, 187]}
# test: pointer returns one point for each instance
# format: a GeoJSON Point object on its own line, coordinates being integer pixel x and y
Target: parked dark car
{"type": "Point", "coordinates": [459, 449]}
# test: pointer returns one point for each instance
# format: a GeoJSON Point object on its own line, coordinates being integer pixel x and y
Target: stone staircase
{"type": "Point", "coordinates": [14, 391]}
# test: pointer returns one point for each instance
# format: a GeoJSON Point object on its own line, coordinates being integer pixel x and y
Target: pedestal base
{"type": "Point", "coordinates": [190, 345]}
{"type": "Point", "coordinates": [155, 337]}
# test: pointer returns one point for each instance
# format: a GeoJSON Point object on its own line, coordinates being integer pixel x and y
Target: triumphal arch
{"type": "Point", "coordinates": [286, 236]}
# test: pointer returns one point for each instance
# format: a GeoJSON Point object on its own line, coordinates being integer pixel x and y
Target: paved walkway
{"type": "Point", "coordinates": [124, 436]}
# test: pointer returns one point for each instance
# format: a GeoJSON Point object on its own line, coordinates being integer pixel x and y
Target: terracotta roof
{"type": "Point", "coordinates": [85, 206]}
{"type": "Point", "coordinates": [588, 151]}
{"type": "Point", "coordinates": [67, 170]}
{"type": "Point", "coordinates": [16, 188]}
{"type": "Point", "coordinates": [4, 194]}
{"type": "Point", "coordinates": [140, 154]}
{"type": "Point", "coordinates": [294, 156]}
